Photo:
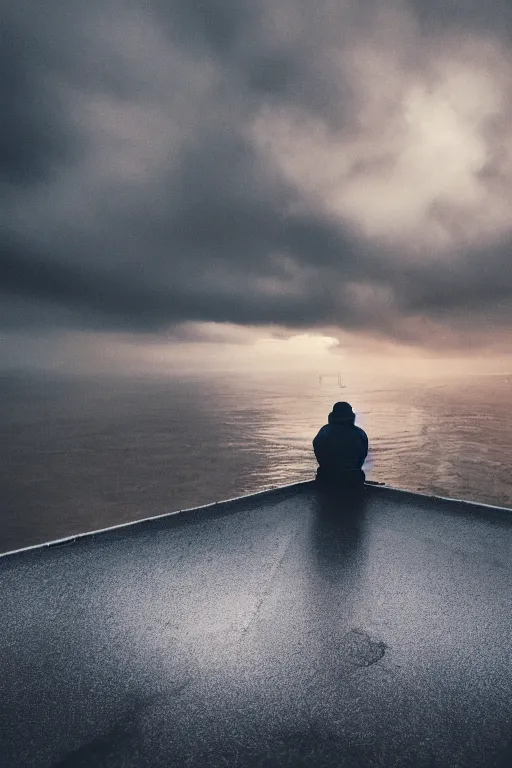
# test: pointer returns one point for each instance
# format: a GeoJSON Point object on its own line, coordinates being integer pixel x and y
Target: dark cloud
{"type": "Point", "coordinates": [136, 196]}
{"type": "Point", "coordinates": [481, 282]}
{"type": "Point", "coordinates": [464, 15]}
{"type": "Point", "coordinates": [34, 130]}
{"type": "Point", "coordinates": [276, 52]}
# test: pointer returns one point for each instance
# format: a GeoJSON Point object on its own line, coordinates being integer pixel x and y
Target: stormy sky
{"type": "Point", "coordinates": [185, 174]}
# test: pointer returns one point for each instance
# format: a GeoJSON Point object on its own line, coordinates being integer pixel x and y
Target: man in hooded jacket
{"type": "Point", "coordinates": [341, 449]}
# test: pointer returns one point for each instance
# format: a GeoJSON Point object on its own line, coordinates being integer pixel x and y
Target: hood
{"type": "Point", "coordinates": [344, 421]}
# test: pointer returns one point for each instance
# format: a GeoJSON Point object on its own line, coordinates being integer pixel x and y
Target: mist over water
{"type": "Point", "coordinates": [81, 453]}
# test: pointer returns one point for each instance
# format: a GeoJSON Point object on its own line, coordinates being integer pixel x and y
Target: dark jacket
{"type": "Point", "coordinates": [340, 446]}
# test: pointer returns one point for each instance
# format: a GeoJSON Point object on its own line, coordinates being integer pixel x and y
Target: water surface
{"type": "Point", "coordinates": [80, 454]}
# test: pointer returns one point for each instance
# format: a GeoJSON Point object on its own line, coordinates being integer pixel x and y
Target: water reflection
{"type": "Point", "coordinates": [338, 553]}
{"type": "Point", "coordinates": [337, 534]}
{"type": "Point", "coordinates": [81, 454]}
{"type": "Point", "coordinates": [336, 574]}
{"type": "Point", "coordinates": [451, 439]}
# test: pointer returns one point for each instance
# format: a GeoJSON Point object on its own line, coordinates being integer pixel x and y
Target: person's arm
{"type": "Point", "coordinates": [318, 442]}
{"type": "Point", "coordinates": [315, 445]}
{"type": "Point", "coordinates": [364, 445]}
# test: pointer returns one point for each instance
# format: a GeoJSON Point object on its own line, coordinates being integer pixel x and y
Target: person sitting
{"type": "Point", "coordinates": [341, 448]}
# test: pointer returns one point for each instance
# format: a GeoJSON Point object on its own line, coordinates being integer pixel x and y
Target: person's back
{"type": "Point", "coordinates": [341, 449]}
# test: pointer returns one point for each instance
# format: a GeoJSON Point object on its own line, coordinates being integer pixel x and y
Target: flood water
{"type": "Point", "coordinates": [80, 454]}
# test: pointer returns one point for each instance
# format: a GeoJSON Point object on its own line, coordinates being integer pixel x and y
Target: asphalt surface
{"type": "Point", "coordinates": [288, 629]}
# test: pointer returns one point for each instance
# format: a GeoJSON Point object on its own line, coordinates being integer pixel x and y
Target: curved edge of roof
{"type": "Point", "coordinates": [434, 497]}
{"type": "Point", "coordinates": [75, 537]}
{"type": "Point", "coordinates": [257, 494]}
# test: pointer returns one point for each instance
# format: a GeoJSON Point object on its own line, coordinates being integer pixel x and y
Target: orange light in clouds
{"type": "Point", "coordinates": [302, 344]}
{"type": "Point", "coordinates": [419, 170]}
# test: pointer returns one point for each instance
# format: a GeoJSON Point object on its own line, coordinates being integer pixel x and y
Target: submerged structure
{"type": "Point", "coordinates": [284, 629]}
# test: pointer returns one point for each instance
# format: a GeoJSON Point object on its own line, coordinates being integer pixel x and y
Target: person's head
{"type": "Point", "coordinates": [342, 413]}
